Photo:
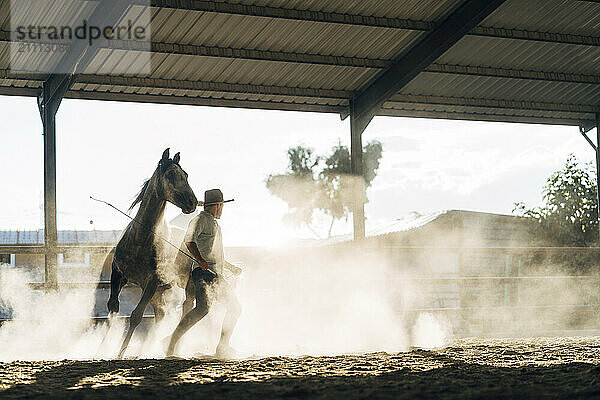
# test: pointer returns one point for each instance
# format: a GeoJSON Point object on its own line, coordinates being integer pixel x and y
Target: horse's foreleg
{"type": "Point", "coordinates": [138, 312]}
{"type": "Point", "coordinates": [117, 281]}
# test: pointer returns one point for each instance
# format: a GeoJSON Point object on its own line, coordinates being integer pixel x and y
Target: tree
{"type": "Point", "coordinates": [326, 184]}
{"type": "Point", "coordinates": [569, 215]}
{"type": "Point", "coordinates": [339, 184]}
{"type": "Point", "coordinates": [298, 187]}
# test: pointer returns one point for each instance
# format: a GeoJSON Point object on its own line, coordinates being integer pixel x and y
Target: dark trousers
{"type": "Point", "coordinates": [206, 292]}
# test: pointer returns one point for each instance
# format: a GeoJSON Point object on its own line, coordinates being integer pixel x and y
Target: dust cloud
{"type": "Point", "coordinates": [331, 299]}
{"type": "Point", "coordinates": [295, 301]}
{"type": "Point", "coordinates": [45, 326]}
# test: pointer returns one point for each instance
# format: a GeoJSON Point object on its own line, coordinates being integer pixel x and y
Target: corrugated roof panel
{"type": "Point", "coordinates": [521, 54]}
{"type": "Point", "coordinates": [4, 54]}
{"type": "Point", "coordinates": [8, 237]}
{"type": "Point", "coordinates": [255, 72]}
{"type": "Point", "coordinates": [237, 31]}
{"type": "Point", "coordinates": [410, 221]}
{"type": "Point", "coordinates": [304, 37]}
{"type": "Point", "coordinates": [67, 237]}
{"type": "Point", "coordinates": [64, 237]}
{"type": "Point", "coordinates": [421, 10]}
{"type": "Point", "coordinates": [31, 237]}
{"type": "Point", "coordinates": [107, 236]}
{"type": "Point", "coordinates": [85, 236]}
{"type": "Point", "coordinates": [566, 16]}
{"type": "Point", "coordinates": [58, 14]}
{"type": "Point", "coordinates": [435, 84]}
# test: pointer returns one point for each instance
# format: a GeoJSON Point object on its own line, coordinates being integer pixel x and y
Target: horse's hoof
{"type": "Point", "coordinates": [113, 306]}
{"type": "Point", "coordinates": [120, 355]}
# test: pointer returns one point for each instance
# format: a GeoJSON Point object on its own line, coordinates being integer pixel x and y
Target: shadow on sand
{"type": "Point", "coordinates": [289, 378]}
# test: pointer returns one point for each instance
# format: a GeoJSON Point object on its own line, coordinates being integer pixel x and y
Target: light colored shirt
{"type": "Point", "coordinates": [206, 233]}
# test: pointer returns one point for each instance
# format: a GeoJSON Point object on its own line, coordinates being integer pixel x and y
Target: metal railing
{"type": "Point", "coordinates": [497, 281]}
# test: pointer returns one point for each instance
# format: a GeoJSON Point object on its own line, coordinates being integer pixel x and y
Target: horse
{"type": "Point", "coordinates": [182, 267]}
{"type": "Point", "coordinates": [141, 257]}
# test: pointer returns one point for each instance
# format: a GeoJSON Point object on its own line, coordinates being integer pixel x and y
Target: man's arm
{"type": "Point", "coordinates": [193, 248]}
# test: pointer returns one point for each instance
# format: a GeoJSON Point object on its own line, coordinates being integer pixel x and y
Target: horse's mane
{"type": "Point", "coordinates": [140, 195]}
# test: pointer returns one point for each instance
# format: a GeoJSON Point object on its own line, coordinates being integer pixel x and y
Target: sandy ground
{"type": "Point", "coordinates": [468, 368]}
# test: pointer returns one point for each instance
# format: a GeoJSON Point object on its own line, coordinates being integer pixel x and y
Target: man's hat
{"type": "Point", "coordinates": [212, 197]}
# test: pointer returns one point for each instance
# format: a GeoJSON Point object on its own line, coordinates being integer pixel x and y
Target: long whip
{"type": "Point", "coordinates": [146, 228]}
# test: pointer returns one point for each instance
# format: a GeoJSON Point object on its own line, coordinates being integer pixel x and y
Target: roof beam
{"type": "Point", "coordinates": [498, 72]}
{"type": "Point", "coordinates": [365, 20]}
{"type": "Point", "coordinates": [213, 86]}
{"type": "Point", "coordinates": [253, 54]}
{"type": "Point", "coordinates": [129, 81]}
{"type": "Point", "coordinates": [290, 13]}
{"type": "Point", "coordinates": [495, 103]}
{"type": "Point", "coordinates": [224, 87]}
{"type": "Point", "coordinates": [521, 34]}
{"type": "Point", "coordinates": [204, 101]}
{"type": "Point", "coordinates": [490, 117]}
{"type": "Point", "coordinates": [412, 62]}
{"type": "Point", "coordinates": [80, 53]}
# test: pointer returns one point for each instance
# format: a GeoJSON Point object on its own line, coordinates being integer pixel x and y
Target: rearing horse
{"type": "Point", "coordinates": [140, 252]}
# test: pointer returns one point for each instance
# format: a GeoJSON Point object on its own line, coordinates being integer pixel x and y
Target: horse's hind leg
{"type": "Point", "coordinates": [158, 304]}
{"type": "Point", "coordinates": [138, 312]}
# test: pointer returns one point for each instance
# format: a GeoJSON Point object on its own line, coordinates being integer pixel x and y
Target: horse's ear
{"type": "Point", "coordinates": [165, 156]}
{"type": "Point", "coordinates": [176, 158]}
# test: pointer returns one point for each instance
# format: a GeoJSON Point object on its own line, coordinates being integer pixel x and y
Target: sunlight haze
{"type": "Point", "coordinates": [108, 149]}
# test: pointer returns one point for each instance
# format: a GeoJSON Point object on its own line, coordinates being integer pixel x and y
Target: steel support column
{"type": "Point", "coordinates": [72, 63]}
{"type": "Point", "coordinates": [48, 107]}
{"type": "Point", "coordinates": [356, 154]}
{"type": "Point", "coordinates": [598, 170]}
{"type": "Point", "coordinates": [583, 130]}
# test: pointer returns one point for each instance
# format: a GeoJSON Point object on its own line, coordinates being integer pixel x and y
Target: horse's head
{"type": "Point", "coordinates": [173, 183]}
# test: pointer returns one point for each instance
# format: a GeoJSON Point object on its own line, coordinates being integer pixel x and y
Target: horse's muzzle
{"type": "Point", "coordinates": [191, 206]}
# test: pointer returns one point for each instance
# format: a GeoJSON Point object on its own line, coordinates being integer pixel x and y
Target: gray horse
{"type": "Point", "coordinates": [141, 256]}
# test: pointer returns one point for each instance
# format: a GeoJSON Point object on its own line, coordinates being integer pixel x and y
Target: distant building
{"type": "Point", "coordinates": [34, 262]}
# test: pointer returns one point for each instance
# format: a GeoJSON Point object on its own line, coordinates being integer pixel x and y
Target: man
{"type": "Point", "coordinates": [204, 242]}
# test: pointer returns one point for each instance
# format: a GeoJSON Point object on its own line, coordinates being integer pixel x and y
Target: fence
{"type": "Point", "coordinates": [472, 303]}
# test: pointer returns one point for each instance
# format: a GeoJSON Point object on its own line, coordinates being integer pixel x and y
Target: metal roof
{"type": "Point", "coordinates": [535, 61]}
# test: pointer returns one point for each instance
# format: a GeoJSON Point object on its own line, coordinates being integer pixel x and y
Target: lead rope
{"type": "Point", "coordinates": [146, 228]}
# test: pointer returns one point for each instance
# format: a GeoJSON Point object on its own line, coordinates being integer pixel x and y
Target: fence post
{"type": "Point", "coordinates": [506, 274]}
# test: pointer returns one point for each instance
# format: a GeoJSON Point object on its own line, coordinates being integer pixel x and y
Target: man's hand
{"type": "Point", "coordinates": [203, 274]}
{"type": "Point", "coordinates": [193, 248]}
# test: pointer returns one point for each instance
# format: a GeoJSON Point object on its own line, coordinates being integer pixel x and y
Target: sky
{"type": "Point", "coordinates": [107, 149]}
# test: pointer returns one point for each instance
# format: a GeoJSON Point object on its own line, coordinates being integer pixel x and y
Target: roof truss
{"type": "Point", "coordinates": [366, 20]}
{"type": "Point", "coordinates": [80, 54]}
{"type": "Point", "coordinates": [416, 59]}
